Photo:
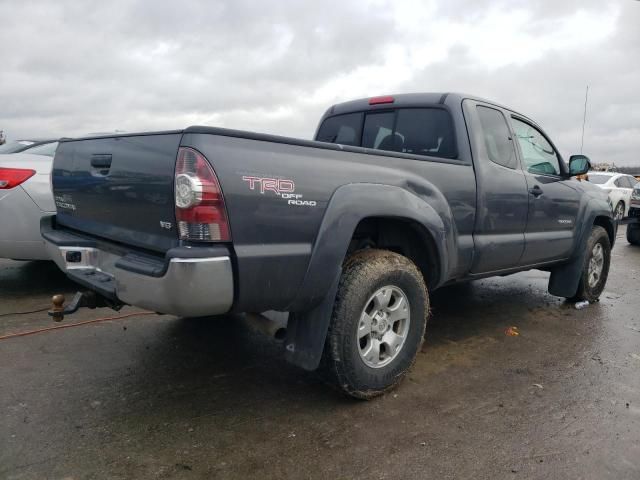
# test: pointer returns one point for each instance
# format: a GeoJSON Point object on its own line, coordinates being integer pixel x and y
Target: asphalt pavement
{"type": "Point", "coordinates": [154, 397]}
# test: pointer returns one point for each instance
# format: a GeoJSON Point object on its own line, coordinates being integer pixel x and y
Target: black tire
{"type": "Point", "coordinates": [586, 291]}
{"type": "Point", "coordinates": [365, 273]}
{"type": "Point", "coordinates": [618, 212]}
{"type": "Point", "coordinates": [633, 234]}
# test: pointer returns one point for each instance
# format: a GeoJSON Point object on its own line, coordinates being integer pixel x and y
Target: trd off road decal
{"type": "Point", "coordinates": [281, 187]}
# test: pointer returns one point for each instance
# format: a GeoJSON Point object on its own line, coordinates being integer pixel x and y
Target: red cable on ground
{"type": "Point", "coordinates": [77, 324]}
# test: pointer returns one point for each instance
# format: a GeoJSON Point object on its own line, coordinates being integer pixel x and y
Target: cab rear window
{"type": "Point", "coordinates": [342, 129]}
{"type": "Point", "coordinates": [418, 131]}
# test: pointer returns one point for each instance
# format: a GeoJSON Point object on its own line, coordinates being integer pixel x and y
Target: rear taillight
{"type": "Point", "coordinates": [12, 177]}
{"type": "Point", "coordinates": [200, 209]}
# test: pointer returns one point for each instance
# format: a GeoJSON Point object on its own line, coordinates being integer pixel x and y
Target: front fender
{"type": "Point", "coordinates": [564, 279]}
{"type": "Point", "coordinates": [595, 208]}
{"type": "Point", "coordinates": [348, 206]}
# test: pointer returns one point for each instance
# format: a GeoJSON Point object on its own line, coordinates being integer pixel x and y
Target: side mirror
{"type": "Point", "coordinates": [579, 165]}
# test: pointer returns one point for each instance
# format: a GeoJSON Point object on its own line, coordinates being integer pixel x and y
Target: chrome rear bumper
{"type": "Point", "coordinates": [188, 287]}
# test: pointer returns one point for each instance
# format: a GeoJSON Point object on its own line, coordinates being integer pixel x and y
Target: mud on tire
{"type": "Point", "coordinates": [382, 274]}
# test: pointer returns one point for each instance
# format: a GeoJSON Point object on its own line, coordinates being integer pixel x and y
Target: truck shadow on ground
{"type": "Point", "coordinates": [481, 308]}
{"type": "Point", "coordinates": [26, 279]}
{"type": "Point", "coordinates": [219, 358]}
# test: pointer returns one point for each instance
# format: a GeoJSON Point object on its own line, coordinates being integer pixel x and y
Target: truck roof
{"type": "Point", "coordinates": [411, 100]}
{"type": "Point", "coordinates": [361, 104]}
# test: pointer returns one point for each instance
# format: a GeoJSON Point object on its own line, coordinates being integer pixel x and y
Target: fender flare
{"type": "Point", "coordinates": [349, 205]}
{"type": "Point", "coordinates": [310, 311]}
{"type": "Point", "coordinates": [564, 279]}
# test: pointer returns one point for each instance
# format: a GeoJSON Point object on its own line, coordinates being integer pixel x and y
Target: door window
{"type": "Point", "coordinates": [497, 139]}
{"type": "Point", "coordinates": [538, 155]}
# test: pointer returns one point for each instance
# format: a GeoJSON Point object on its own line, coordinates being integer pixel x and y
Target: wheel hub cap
{"type": "Point", "coordinates": [596, 264]}
{"type": "Point", "coordinates": [383, 326]}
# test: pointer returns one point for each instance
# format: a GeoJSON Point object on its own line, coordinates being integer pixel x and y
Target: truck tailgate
{"type": "Point", "coordinates": [120, 188]}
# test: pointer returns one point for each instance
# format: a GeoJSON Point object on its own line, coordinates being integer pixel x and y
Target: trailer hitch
{"type": "Point", "coordinates": [80, 300]}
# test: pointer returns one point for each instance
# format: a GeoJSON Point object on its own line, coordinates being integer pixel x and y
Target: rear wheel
{"type": "Point", "coordinates": [633, 234]}
{"type": "Point", "coordinates": [596, 266]}
{"type": "Point", "coordinates": [378, 323]}
{"type": "Point", "coordinates": [618, 213]}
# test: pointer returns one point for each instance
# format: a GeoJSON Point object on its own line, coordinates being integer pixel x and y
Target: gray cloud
{"type": "Point", "coordinates": [69, 67]}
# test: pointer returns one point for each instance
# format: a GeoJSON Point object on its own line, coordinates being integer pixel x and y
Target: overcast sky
{"type": "Point", "coordinates": [72, 67]}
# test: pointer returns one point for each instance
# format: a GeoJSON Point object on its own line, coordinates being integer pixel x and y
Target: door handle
{"type": "Point", "coordinates": [102, 161]}
{"type": "Point", "coordinates": [536, 191]}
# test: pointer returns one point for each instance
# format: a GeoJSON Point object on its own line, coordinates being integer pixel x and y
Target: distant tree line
{"type": "Point", "coordinates": [629, 170]}
{"type": "Point", "coordinates": [607, 167]}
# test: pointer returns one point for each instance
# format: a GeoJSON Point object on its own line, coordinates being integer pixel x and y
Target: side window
{"type": "Point", "coordinates": [497, 139]}
{"type": "Point", "coordinates": [378, 132]}
{"type": "Point", "coordinates": [538, 155]}
{"type": "Point", "coordinates": [628, 182]}
{"type": "Point", "coordinates": [426, 131]}
{"type": "Point", "coordinates": [342, 129]}
{"type": "Point", "coordinates": [618, 182]}
{"type": "Point", "coordinates": [633, 181]}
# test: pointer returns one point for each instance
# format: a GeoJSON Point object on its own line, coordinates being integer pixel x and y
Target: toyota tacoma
{"type": "Point", "coordinates": [396, 197]}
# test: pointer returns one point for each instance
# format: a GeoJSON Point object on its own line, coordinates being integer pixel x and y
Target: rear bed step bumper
{"type": "Point", "coordinates": [186, 282]}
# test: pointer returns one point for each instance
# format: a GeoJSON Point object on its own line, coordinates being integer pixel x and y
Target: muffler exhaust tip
{"type": "Point", "coordinates": [273, 324]}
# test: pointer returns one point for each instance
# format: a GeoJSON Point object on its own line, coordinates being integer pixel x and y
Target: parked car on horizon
{"type": "Point", "coordinates": [633, 227]}
{"type": "Point", "coordinates": [619, 187]}
{"type": "Point", "coordinates": [25, 196]}
{"type": "Point", "coordinates": [17, 146]}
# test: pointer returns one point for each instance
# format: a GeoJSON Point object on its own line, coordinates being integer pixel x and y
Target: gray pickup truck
{"type": "Point", "coordinates": [396, 197]}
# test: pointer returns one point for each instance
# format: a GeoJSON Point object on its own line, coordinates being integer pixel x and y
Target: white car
{"type": "Point", "coordinates": [25, 196]}
{"type": "Point", "coordinates": [619, 187]}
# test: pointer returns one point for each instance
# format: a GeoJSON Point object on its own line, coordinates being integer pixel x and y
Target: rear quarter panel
{"type": "Point", "coordinates": [273, 237]}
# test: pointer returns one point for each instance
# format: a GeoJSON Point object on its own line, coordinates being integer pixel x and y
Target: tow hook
{"type": "Point", "coordinates": [80, 300]}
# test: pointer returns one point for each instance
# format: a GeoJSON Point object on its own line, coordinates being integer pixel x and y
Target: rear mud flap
{"type": "Point", "coordinates": [307, 331]}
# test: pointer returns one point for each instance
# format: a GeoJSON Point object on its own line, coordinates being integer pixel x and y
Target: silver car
{"type": "Point", "coordinates": [25, 196]}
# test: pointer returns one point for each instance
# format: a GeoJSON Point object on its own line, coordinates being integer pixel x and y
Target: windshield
{"type": "Point", "coordinates": [47, 149]}
{"type": "Point", "coordinates": [15, 146]}
{"type": "Point", "coordinates": [598, 179]}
